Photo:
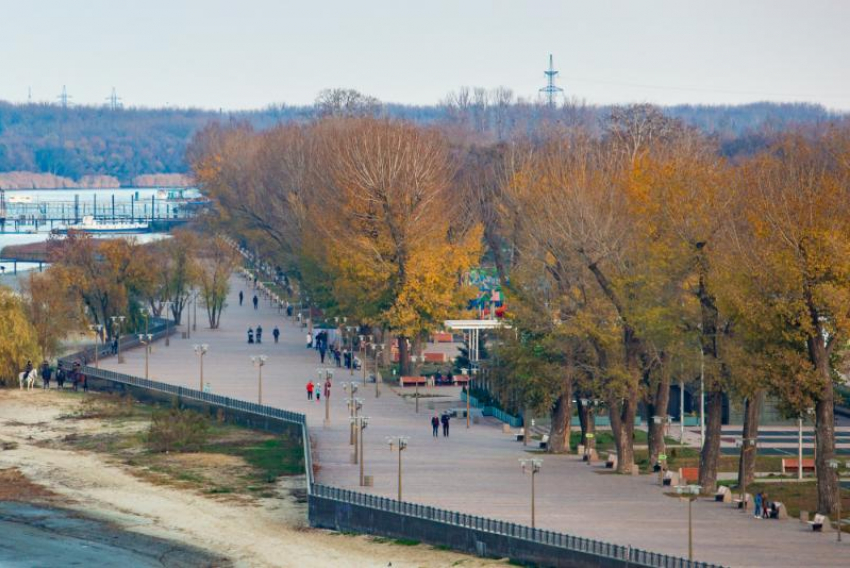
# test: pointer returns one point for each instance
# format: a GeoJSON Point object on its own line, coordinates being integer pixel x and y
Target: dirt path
{"type": "Point", "coordinates": [268, 532]}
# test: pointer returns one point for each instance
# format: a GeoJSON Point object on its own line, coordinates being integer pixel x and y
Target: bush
{"type": "Point", "coordinates": [106, 406]}
{"type": "Point", "coordinates": [176, 430]}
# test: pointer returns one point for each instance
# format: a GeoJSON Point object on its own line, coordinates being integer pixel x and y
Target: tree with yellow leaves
{"type": "Point", "coordinates": [20, 343]}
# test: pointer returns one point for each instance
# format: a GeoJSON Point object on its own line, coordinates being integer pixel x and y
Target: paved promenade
{"type": "Point", "coordinates": [477, 470]}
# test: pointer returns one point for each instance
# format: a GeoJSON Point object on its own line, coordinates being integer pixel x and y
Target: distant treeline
{"type": "Point", "coordinates": [83, 141]}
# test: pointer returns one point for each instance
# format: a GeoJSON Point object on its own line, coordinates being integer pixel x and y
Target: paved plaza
{"type": "Point", "coordinates": [476, 470]}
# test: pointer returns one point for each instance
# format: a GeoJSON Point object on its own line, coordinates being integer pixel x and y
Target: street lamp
{"type": "Point", "coordinates": [399, 442]}
{"type": "Point", "coordinates": [360, 423]}
{"type": "Point", "coordinates": [531, 465]}
{"type": "Point", "coordinates": [259, 361]}
{"type": "Point", "coordinates": [834, 465]}
{"type": "Point", "coordinates": [145, 339]}
{"type": "Point", "coordinates": [363, 357]}
{"type": "Point", "coordinates": [120, 321]}
{"type": "Point", "coordinates": [96, 328]}
{"type": "Point", "coordinates": [328, 374]}
{"type": "Point", "coordinates": [351, 388]}
{"type": "Point", "coordinates": [200, 351]}
{"type": "Point", "coordinates": [415, 383]}
{"type": "Point", "coordinates": [377, 349]}
{"type": "Point", "coordinates": [691, 492]}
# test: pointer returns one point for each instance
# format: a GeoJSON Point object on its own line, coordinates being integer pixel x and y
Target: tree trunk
{"type": "Point", "coordinates": [828, 494]}
{"type": "Point", "coordinates": [658, 407]}
{"type": "Point", "coordinates": [747, 461]}
{"type": "Point", "coordinates": [709, 457]}
{"type": "Point", "coordinates": [559, 434]}
{"type": "Point", "coordinates": [403, 357]}
{"type": "Point", "coordinates": [622, 415]}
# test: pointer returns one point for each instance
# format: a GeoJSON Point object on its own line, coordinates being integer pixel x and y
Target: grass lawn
{"type": "Point", "coordinates": [232, 459]}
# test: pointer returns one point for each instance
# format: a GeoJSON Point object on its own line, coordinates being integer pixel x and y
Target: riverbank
{"type": "Point", "coordinates": [69, 454]}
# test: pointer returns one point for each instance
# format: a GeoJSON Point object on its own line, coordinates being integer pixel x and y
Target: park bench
{"type": "Point", "coordinates": [819, 523]}
{"type": "Point", "coordinates": [789, 465]}
{"type": "Point", "coordinates": [689, 474]}
{"type": "Point", "coordinates": [611, 461]}
{"type": "Point", "coordinates": [520, 436]}
{"type": "Point", "coordinates": [671, 479]}
{"type": "Point", "coordinates": [433, 357]}
{"type": "Point", "coordinates": [723, 495]}
{"type": "Point", "coordinates": [739, 502]}
{"type": "Point", "coordinates": [544, 442]}
{"type": "Point", "coordinates": [443, 337]}
{"type": "Point", "coordinates": [411, 381]}
{"type": "Point", "coordinates": [779, 511]}
{"type": "Point", "coordinates": [461, 379]}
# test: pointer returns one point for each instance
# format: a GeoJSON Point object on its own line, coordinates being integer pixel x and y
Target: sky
{"type": "Point", "coordinates": [244, 54]}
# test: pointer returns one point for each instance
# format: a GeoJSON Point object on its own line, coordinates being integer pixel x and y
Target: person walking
{"type": "Point", "coordinates": [322, 352]}
{"type": "Point", "coordinates": [445, 421]}
{"type": "Point", "coordinates": [309, 340]}
{"type": "Point", "coordinates": [758, 503]}
{"type": "Point", "coordinates": [276, 334]}
{"type": "Point", "coordinates": [241, 297]}
{"type": "Point", "coordinates": [250, 335]}
{"type": "Point", "coordinates": [256, 301]}
{"type": "Point", "coordinates": [45, 375]}
{"type": "Point", "coordinates": [60, 375]}
{"type": "Point", "coordinates": [435, 426]}
{"type": "Point", "coordinates": [259, 334]}
{"type": "Point", "coordinates": [310, 387]}
{"type": "Point", "coordinates": [318, 394]}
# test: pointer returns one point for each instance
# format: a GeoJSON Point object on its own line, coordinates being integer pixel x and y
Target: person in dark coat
{"type": "Point", "coordinates": [60, 375]}
{"type": "Point", "coordinates": [259, 334]}
{"type": "Point", "coordinates": [276, 334]}
{"type": "Point", "coordinates": [435, 426]}
{"type": "Point", "coordinates": [256, 301]}
{"type": "Point", "coordinates": [250, 335]}
{"type": "Point", "coordinates": [445, 421]}
{"type": "Point", "coordinates": [241, 297]}
{"type": "Point", "coordinates": [45, 374]}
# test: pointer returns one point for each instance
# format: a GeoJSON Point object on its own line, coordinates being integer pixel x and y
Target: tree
{"type": "Point", "coordinates": [20, 343]}
{"type": "Point", "coordinates": [176, 272]}
{"type": "Point", "coordinates": [52, 309]}
{"type": "Point", "coordinates": [216, 262]}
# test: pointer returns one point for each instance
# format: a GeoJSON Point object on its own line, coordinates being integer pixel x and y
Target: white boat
{"type": "Point", "coordinates": [91, 225]}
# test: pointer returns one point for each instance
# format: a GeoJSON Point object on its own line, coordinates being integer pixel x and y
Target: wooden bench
{"type": "Point", "coordinates": [820, 523]}
{"type": "Point", "coordinates": [443, 337]}
{"type": "Point", "coordinates": [433, 357]}
{"type": "Point", "coordinates": [411, 381]}
{"type": "Point", "coordinates": [723, 495]}
{"type": "Point", "coordinates": [544, 442]}
{"type": "Point", "coordinates": [689, 474]}
{"type": "Point", "coordinates": [789, 465]}
{"type": "Point", "coordinates": [461, 379]}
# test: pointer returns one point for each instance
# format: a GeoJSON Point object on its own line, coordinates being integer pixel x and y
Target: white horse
{"type": "Point", "coordinates": [29, 379]}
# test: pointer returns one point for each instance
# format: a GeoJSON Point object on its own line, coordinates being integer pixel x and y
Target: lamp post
{"type": "Point", "coordinates": [691, 492]}
{"type": "Point", "coordinates": [399, 442]}
{"type": "Point", "coordinates": [200, 351]}
{"type": "Point", "coordinates": [117, 321]}
{"type": "Point", "coordinates": [350, 387]}
{"type": "Point", "coordinates": [363, 357]}
{"type": "Point", "coordinates": [465, 372]}
{"type": "Point", "coordinates": [259, 361]}
{"type": "Point", "coordinates": [360, 423]}
{"type": "Point", "coordinates": [378, 348]}
{"type": "Point", "coordinates": [145, 339]}
{"type": "Point", "coordinates": [167, 304]}
{"type": "Point", "coordinates": [96, 328]}
{"type": "Point", "coordinates": [834, 465]}
{"type": "Point", "coordinates": [532, 466]}
{"type": "Point", "coordinates": [195, 310]}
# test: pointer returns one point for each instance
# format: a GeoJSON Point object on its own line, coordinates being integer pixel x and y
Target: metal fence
{"type": "Point", "coordinates": [628, 554]}
{"type": "Point", "coordinates": [497, 413]}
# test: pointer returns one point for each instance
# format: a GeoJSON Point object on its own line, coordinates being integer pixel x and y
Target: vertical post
{"type": "Point", "coordinates": [399, 469]}
{"type": "Point", "coordinates": [327, 395]}
{"type": "Point", "coordinates": [681, 412]}
{"type": "Point", "coordinates": [690, 530]}
{"type": "Point", "coordinates": [147, 352]}
{"type": "Point", "coordinates": [260, 386]}
{"type": "Point", "coordinates": [701, 398]}
{"type": "Point", "coordinates": [533, 473]}
{"type": "Point", "coordinates": [360, 428]}
{"type": "Point", "coordinates": [800, 448]}
{"type": "Point", "coordinates": [201, 388]}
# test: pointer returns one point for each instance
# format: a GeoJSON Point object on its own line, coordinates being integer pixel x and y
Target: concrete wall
{"type": "Point", "coordinates": [341, 516]}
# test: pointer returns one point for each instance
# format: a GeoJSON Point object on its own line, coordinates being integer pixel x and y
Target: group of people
{"type": "Point", "coordinates": [257, 337]}
{"type": "Point", "coordinates": [764, 508]}
{"type": "Point", "coordinates": [313, 388]}
{"type": "Point", "coordinates": [435, 425]}
{"type": "Point", "coordinates": [74, 375]}
{"type": "Point", "coordinates": [255, 300]}
{"type": "Point", "coordinates": [341, 357]}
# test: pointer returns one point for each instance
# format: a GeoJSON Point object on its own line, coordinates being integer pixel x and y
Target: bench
{"type": "Point", "coordinates": [723, 495]}
{"type": "Point", "coordinates": [790, 465]}
{"type": "Point", "coordinates": [461, 379]}
{"type": "Point", "coordinates": [443, 337]}
{"type": "Point", "coordinates": [743, 503]}
{"type": "Point", "coordinates": [611, 461]}
{"type": "Point", "coordinates": [410, 381]}
{"type": "Point", "coordinates": [820, 523]}
{"type": "Point", "coordinates": [779, 511]}
{"type": "Point", "coordinates": [544, 442]}
{"type": "Point", "coordinates": [432, 357]}
{"type": "Point", "coordinates": [520, 436]}
{"type": "Point", "coordinates": [689, 474]}
{"type": "Point", "coordinates": [671, 479]}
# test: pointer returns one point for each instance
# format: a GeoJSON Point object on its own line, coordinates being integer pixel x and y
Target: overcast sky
{"type": "Point", "coordinates": [238, 54]}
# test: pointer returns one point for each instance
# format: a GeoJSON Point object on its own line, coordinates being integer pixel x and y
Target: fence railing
{"type": "Point", "coordinates": [493, 411]}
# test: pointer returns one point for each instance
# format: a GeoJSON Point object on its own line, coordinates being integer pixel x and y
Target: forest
{"type": "Point", "coordinates": [123, 143]}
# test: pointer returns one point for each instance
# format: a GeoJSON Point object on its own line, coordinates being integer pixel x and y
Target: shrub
{"type": "Point", "coordinates": [176, 430]}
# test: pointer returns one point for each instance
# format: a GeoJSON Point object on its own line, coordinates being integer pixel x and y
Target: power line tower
{"type": "Point", "coordinates": [550, 89]}
{"type": "Point", "coordinates": [64, 97]}
{"type": "Point", "coordinates": [114, 100]}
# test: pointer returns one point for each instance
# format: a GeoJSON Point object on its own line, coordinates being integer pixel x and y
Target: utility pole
{"type": "Point", "coordinates": [114, 100]}
{"type": "Point", "coordinates": [64, 97]}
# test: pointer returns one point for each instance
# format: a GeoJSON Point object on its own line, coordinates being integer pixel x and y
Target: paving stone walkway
{"type": "Point", "coordinates": [476, 470]}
